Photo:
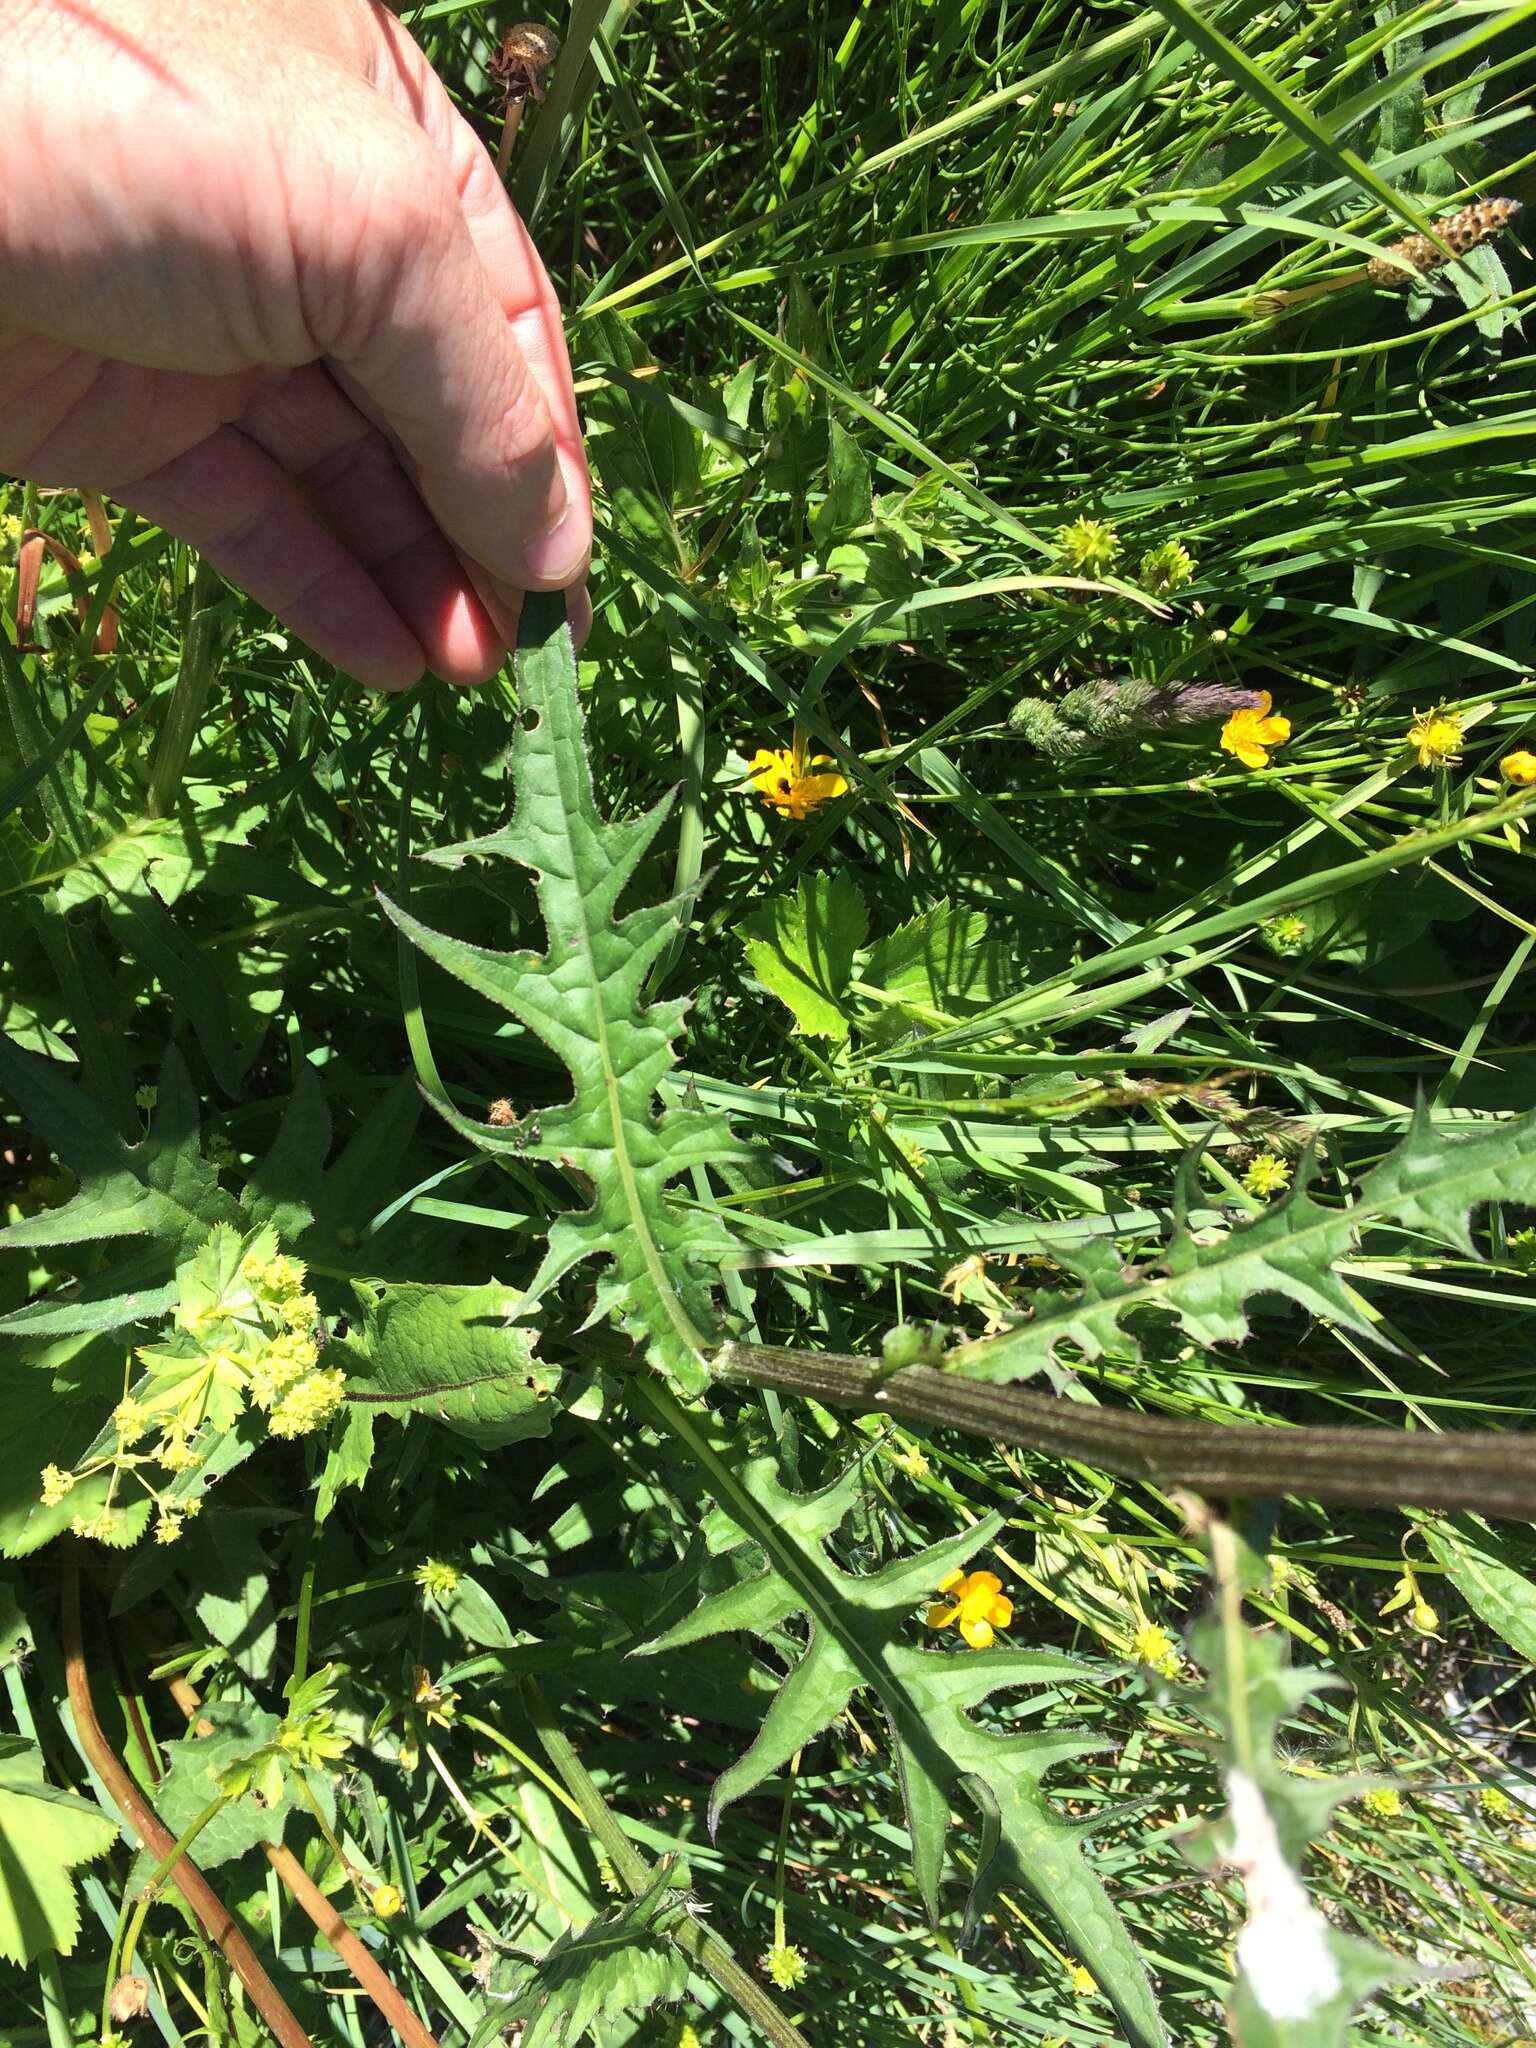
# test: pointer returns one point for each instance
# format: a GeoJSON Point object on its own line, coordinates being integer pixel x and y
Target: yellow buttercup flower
{"type": "Point", "coordinates": [1436, 736]}
{"type": "Point", "coordinates": [1081, 1979]}
{"type": "Point", "coordinates": [977, 1607]}
{"type": "Point", "coordinates": [386, 1900]}
{"type": "Point", "coordinates": [1251, 732]}
{"type": "Point", "coordinates": [788, 782]}
{"type": "Point", "coordinates": [1520, 766]}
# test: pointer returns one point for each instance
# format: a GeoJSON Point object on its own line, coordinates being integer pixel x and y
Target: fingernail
{"type": "Point", "coordinates": [559, 556]}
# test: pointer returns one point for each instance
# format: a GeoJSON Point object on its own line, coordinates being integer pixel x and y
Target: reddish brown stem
{"type": "Point", "coordinates": [374, 1980]}
{"type": "Point", "coordinates": [217, 1922]}
{"type": "Point", "coordinates": [29, 564]}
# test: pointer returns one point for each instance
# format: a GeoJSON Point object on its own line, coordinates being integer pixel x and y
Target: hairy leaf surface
{"type": "Point", "coordinates": [859, 1637]}
{"type": "Point", "coordinates": [584, 997]}
{"type": "Point", "coordinates": [1298, 1249]}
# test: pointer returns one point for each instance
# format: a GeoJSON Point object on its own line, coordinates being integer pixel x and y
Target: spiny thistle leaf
{"type": "Point", "coordinates": [583, 997]}
{"type": "Point", "coordinates": [1296, 1249]}
{"type": "Point", "coordinates": [1299, 1978]}
{"type": "Point", "coordinates": [857, 1638]}
{"type": "Point", "coordinates": [620, 1964]}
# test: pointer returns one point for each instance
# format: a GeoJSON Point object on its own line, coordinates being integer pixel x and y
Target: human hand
{"type": "Point", "coordinates": [259, 281]}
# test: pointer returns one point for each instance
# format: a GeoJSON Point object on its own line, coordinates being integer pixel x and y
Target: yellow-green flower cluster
{"type": "Point", "coordinates": [241, 1337]}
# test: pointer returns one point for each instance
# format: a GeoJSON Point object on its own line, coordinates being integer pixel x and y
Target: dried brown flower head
{"type": "Point", "coordinates": [129, 1999]}
{"type": "Point", "coordinates": [521, 66]}
{"type": "Point", "coordinates": [501, 1113]}
{"type": "Point", "coordinates": [1460, 232]}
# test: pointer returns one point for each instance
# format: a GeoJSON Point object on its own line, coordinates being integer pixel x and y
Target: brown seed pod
{"type": "Point", "coordinates": [1460, 232]}
{"type": "Point", "coordinates": [129, 1999]}
{"type": "Point", "coordinates": [521, 66]}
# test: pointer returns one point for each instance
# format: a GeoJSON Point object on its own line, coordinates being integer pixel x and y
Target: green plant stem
{"type": "Point", "coordinates": [50, 1984]}
{"type": "Point", "coordinates": [698, 1943]}
{"type": "Point", "coordinates": [123, 1950]}
{"type": "Point", "coordinates": [199, 655]}
{"type": "Point", "coordinates": [1481, 1469]}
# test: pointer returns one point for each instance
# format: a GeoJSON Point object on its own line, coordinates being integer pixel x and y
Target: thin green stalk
{"type": "Point", "coordinates": [199, 657]}
{"type": "Point", "coordinates": [697, 1942]}
{"type": "Point", "coordinates": [124, 1948]}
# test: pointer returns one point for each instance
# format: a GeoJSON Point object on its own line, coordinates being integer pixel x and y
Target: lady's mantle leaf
{"type": "Point", "coordinates": [43, 1833]}
{"type": "Point", "coordinates": [801, 949]}
{"type": "Point", "coordinates": [584, 998]}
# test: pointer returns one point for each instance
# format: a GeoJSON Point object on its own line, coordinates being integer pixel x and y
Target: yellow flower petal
{"type": "Point", "coordinates": [951, 1580]}
{"type": "Point", "coordinates": [977, 1633]}
{"type": "Point", "coordinates": [1520, 766]}
{"type": "Point", "coordinates": [940, 1617]}
{"type": "Point", "coordinates": [1002, 1612]}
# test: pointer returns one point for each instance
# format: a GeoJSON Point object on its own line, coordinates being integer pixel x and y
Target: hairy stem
{"type": "Point", "coordinates": [1491, 1473]}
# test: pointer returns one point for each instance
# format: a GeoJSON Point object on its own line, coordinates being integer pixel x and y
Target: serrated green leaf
{"type": "Point", "coordinates": [453, 1353]}
{"type": "Point", "coordinates": [1299, 1978]}
{"type": "Point", "coordinates": [44, 1833]}
{"type": "Point", "coordinates": [189, 1787]}
{"type": "Point", "coordinates": [858, 1638]}
{"type": "Point", "coordinates": [621, 1964]}
{"type": "Point", "coordinates": [801, 949]}
{"type": "Point", "coordinates": [1483, 1568]}
{"type": "Point", "coordinates": [1298, 1249]}
{"type": "Point", "coordinates": [584, 998]}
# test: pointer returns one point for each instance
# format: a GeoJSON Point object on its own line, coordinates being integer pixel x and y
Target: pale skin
{"type": "Point", "coordinates": [259, 282]}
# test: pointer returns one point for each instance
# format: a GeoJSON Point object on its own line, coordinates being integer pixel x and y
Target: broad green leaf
{"type": "Point", "coordinates": [161, 1188]}
{"type": "Point", "coordinates": [1297, 1249]}
{"type": "Point", "coordinates": [1483, 1568]}
{"type": "Point", "coordinates": [1299, 1979]}
{"type": "Point", "coordinates": [859, 1636]}
{"type": "Point", "coordinates": [453, 1353]}
{"type": "Point", "coordinates": [230, 1576]}
{"type": "Point", "coordinates": [44, 1833]}
{"type": "Point", "coordinates": [348, 1458]}
{"type": "Point", "coordinates": [283, 1188]}
{"type": "Point", "coordinates": [801, 949]}
{"type": "Point", "coordinates": [939, 961]}
{"type": "Point", "coordinates": [849, 502]}
{"type": "Point", "coordinates": [584, 998]}
{"type": "Point", "coordinates": [189, 1788]}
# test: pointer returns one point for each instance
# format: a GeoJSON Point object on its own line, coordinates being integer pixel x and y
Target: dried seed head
{"type": "Point", "coordinates": [1460, 232]}
{"type": "Point", "coordinates": [521, 65]}
{"type": "Point", "coordinates": [501, 1113]}
{"type": "Point", "coordinates": [129, 1999]}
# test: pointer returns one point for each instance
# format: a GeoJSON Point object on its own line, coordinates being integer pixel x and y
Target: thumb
{"type": "Point", "coordinates": [427, 345]}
